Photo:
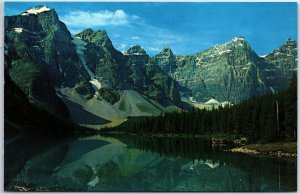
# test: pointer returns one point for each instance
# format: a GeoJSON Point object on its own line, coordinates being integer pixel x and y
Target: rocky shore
{"type": "Point", "coordinates": [286, 149]}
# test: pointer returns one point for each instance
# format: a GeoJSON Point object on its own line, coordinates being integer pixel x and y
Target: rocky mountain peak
{"type": "Point", "coordinates": [166, 60]}
{"type": "Point", "coordinates": [291, 42]}
{"type": "Point", "coordinates": [238, 38]}
{"type": "Point", "coordinates": [238, 43]}
{"type": "Point", "coordinates": [289, 45]}
{"type": "Point", "coordinates": [285, 59]}
{"type": "Point", "coordinates": [237, 46]}
{"type": "Point", "coordinates": [166, 51]}
{"type": "Point", "coordinates": [289, 48]}
{"type": "Point", "coordinates": [136, 50]}
{"type": "Point", "coordinates": [98, 37]}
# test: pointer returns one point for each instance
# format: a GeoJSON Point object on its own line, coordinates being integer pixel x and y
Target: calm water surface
{"type": "Point", "coordinates": [133, 163]}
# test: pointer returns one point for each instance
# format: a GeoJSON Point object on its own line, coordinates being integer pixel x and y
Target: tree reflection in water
{"type": "Point", "coordinates": [141, 163]}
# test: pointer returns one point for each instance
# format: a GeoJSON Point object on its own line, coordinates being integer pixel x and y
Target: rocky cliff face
{"type": "Point", "coordinates": [133, 70]}
{"type": "Point", "coordinates": [229, 72]}
{"type": "Point", "coordinates": [284, 59]}
{"type": "Point", "coordinates": [147, 78]}
{"type": "Point", "coordinates": [166, 60]}
{"type": "Point", "coordinates": [40, 55]}
{"type": "Point", "coordinates": [40, 33]}
{"type": "Point", "coordinates": [103, 60]}
{"type": "Point", "coordinates": [23, 64]}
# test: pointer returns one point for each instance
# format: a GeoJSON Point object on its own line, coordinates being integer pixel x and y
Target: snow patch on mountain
{"type": "Point", "coordinates": [221, 49]}
{"type": "Point", "coordinates": [212, 102]}
{"type": "Point", "coordinates": [18, 30]}
{"type": "Point", "coordinates": [36, 10]}
{"type": "Point", "coordinates": [80, 48]}
{"type": "Point", "coordinates": [96, 83]}
{"type": "Point", "coordinates": [235, 39]}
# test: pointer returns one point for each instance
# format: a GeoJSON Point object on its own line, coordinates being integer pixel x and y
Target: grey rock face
{"type": "Point", "coordinates": [284, 59]}
{"type": "Point", "coordinates": [131, 70]}
{"type": "Point", "coordinates": [104, 61]}
{"type": "Point", "coordinates": [49, 36]}
{"type": "Point", "coordinates": [40, 55]}
{"type": "Point", "coordinates": [166, 60]}
{"type": "Point", "coordinates": [229, 72]}
{"type": "Point", "coordinates": [23, 69]}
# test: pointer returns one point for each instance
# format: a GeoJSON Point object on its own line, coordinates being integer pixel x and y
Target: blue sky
{"type": "Point", "coordinates": [186, 27]}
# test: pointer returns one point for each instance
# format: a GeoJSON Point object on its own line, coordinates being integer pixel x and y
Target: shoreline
{"type": "Point", "coordinates": [277, 149]}
{"type": "Point", "coordinates": [160, 135]}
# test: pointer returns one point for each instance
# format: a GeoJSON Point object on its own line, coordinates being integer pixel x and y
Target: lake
{"type": "Point", "coordinates": [140, 163]}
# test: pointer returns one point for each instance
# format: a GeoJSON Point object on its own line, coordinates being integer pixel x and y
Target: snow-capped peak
{"type": "Point", "coordinates": [238, 41]}
{"type": "Point", "coordinates": [36, 10]}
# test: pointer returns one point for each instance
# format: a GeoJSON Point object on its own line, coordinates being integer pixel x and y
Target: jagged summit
{"type": "Point", "coordinates": [238, 38]}
{"type": "Point", "coordinates": [98, 37]}
{"type": "Point", "coordinates": [238, 42]}
{"type": "Point", "coordinates": [289, 47]}
{"type": "Point", "coordinates": [88, 30]}
{"type": "Point", "coordinates": [91, 31]}
{"type": "Point", "coordinates": [285, 59]}
{"type": "Point", "coordinates": [167, 50]}
{"type": "Point", "coordinates": [36, 10]}
{"type": "Point", "coordinates": [290, 42]}
{"type": "Point", "coordinates": [235, 45]}
{"type": "Point", "coordinates": [166, 60]}
{"type": "Point", "coordinates": [136, 50]}
{"type": "Point", "coordinates": [91, 35]}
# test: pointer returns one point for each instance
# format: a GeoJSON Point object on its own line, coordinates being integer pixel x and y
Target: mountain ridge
{"type": "Point", "coordinates": [88, 64]}
{"type": "Point", "coordinates": [234, 58]}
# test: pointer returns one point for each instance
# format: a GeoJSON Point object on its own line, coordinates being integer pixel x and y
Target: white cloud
{"type": "Point", "coordinates": [135, 17]}
{"type": "Point", "coordinates": [92, 19]}
{"type": "Point", "coordinates": [135, 37]}
{"type": "Point", "coordinates": [122, 46]}
{"type": "Point", "coordinates": [153, 49]}
{"type": "Point", "coordinates": [125, 29]}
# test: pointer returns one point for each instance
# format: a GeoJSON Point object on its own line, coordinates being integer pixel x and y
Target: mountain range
{"type": "Point", "coordinates": [84, 78]}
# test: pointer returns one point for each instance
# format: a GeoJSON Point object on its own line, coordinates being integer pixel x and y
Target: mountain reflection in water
{"type": "Point", "coordinates": [140, 163]}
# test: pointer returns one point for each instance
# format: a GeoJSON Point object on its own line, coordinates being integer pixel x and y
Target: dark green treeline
{"type": "Point", "coordinates": [266, 118]}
